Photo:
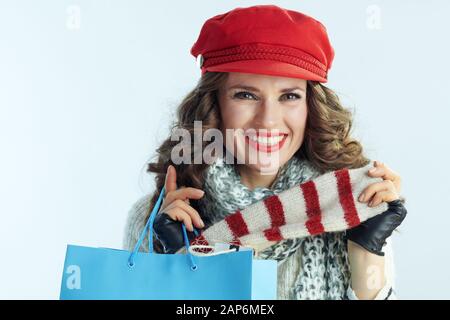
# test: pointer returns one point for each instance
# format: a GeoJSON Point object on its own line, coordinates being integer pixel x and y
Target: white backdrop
{"type": "Point", "coordinates": [88, 88]}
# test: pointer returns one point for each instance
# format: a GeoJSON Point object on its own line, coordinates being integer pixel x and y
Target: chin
{"type": "Point", "coordinates": [268, 165]}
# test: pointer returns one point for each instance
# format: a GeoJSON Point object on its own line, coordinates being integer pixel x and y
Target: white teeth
{"type": "Point", "coordinates": [267, 140]}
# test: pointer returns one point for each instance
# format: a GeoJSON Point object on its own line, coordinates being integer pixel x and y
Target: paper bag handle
{"type": "Point", "coordinates": [149, 228]}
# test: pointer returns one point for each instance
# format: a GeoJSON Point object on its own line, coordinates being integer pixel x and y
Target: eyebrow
{"type": "Point", "coordinates": [250, 88]}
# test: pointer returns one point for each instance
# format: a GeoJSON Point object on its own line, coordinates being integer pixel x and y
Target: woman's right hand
{"type": "Point", "coordinates": [174, 211]}
{"type": "Point", "coordinates": [176, 202]}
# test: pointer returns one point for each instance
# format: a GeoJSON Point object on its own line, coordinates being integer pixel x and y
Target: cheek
{"type": "Point", "coordinates": [236, 115]}
{"type": "Point", "coordinates": [296, 120]}
{"type": "Point", "coordinates": [229, 119]}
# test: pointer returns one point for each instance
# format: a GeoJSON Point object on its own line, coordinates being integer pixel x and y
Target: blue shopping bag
{"type": "Point", "coordinates": [102, 273]}
{"type": "Point", "coordinates": [264, 279]}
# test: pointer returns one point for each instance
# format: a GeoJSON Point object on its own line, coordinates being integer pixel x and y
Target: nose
{"type": "Point", "coordinates": [269, 114]}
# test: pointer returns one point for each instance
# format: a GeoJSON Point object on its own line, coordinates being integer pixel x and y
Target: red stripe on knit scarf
{"type": "Point", "coordinates": [237, 224]}
{"type": "Point", "coordinates": [346, 197]}
{"type": "Point", "coordinates": [277, 219]}
{"type": "Point", "coordinates": [276, 211]}
{"type": "Point", "coordinates": [273, 234]}
{"type": "Point", "coordinates": [313, 224]}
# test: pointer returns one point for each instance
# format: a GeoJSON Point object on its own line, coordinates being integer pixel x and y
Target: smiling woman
{"type": "Point", "coordinates": [264, 106]}
{"type": "Point", "coordinates": [267, 83]}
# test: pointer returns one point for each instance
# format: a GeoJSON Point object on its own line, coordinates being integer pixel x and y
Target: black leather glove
{"type": "Point", "coordinates": [372, 233]}
{"type": "Point", "coordinates": [170, 233]}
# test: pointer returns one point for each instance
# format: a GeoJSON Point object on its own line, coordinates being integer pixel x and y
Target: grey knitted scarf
{"type": "Point", "coordinates": [308, 268]}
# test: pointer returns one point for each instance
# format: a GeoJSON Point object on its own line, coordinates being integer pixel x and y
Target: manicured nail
{"type": "Point", "coordinates": [361, 197]}
{"type": "Point", "coordinates": [370, 203]}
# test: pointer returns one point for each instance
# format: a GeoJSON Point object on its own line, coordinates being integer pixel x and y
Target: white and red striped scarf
{"type": "Point", "coordinates": [328, 203]}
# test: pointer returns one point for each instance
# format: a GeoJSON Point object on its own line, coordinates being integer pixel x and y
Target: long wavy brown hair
{"type": "Point", "coordinates": [327, 142]}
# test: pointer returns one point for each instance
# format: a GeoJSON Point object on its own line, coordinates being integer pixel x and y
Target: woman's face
{"type": "Point", "coordinates": [270, 110]}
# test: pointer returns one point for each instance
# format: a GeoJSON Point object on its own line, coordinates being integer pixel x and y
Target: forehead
{"type": "Point", "coordinates": [262, 80]}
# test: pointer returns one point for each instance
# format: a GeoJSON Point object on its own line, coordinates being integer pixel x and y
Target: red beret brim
{"type": "Point", "coordinates": [267, 67]}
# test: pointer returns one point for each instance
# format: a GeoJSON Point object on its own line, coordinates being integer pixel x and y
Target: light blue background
{"type": "Point", "coordinates": [82, 109]}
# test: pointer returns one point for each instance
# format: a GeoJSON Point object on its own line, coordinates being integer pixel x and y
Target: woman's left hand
{"type": "Point", "coordinates": [372, 233]}
{"type": "Point", "coordinates": [384, 191]}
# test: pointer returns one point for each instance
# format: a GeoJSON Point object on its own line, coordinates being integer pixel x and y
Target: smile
{"type": "Point", "coordinates": [266, 143]}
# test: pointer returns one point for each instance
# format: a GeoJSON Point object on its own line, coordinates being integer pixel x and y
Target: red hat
{"type": "Point", "coordinates": [265, 39]}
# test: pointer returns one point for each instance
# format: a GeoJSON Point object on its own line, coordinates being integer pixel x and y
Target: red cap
{"type": "Point", "coordinates": [265, 39]}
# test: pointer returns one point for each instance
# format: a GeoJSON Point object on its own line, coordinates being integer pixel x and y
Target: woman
{"type": "Point", "coordinates": [262, 74]}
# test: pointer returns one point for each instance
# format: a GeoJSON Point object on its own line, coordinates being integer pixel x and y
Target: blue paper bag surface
{"type": "Point", "coordinates": [103, 273]}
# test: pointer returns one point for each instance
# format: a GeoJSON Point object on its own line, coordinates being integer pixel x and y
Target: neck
{"type": "Point", "coordinates": [252, 178]}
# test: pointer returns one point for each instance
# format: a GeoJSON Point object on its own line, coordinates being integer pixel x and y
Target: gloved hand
{"type": "Point", "coordinates": [174, 211]}
{"type": "Point", "coordinates": [170, 233]}
{"type": "Point", "coordinates": [372, 233]}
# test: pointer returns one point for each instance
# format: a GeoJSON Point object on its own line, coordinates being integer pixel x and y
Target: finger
{"type": "Point", "coordinates": [171, 179]}
{"type": "Point", "coordinates": [381, 170]}
{"type": "Point", "coordinates": [186, 200]}
{"type": "Point", "coordinates": [184, 193]}
{"type": "Point", "coordinates": [179, 214]}
{"type": "Point", "coordinates": [195, 216]}
{"type": "Point", "coordinates": [382, 196]}
{"type": "Point", "coordinates": [370, 190]}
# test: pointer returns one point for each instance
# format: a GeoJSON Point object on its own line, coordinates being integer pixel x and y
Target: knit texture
{"type": "Point", "coordinates": [325, 204]}
{"type": "Point", "coordinates": [309, 267]}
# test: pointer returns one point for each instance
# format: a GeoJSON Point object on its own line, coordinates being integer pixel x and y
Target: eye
{"type": "Point", "coordinates": [292, 96]}
{"type": "Point", "coordinates": [244, 95]}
